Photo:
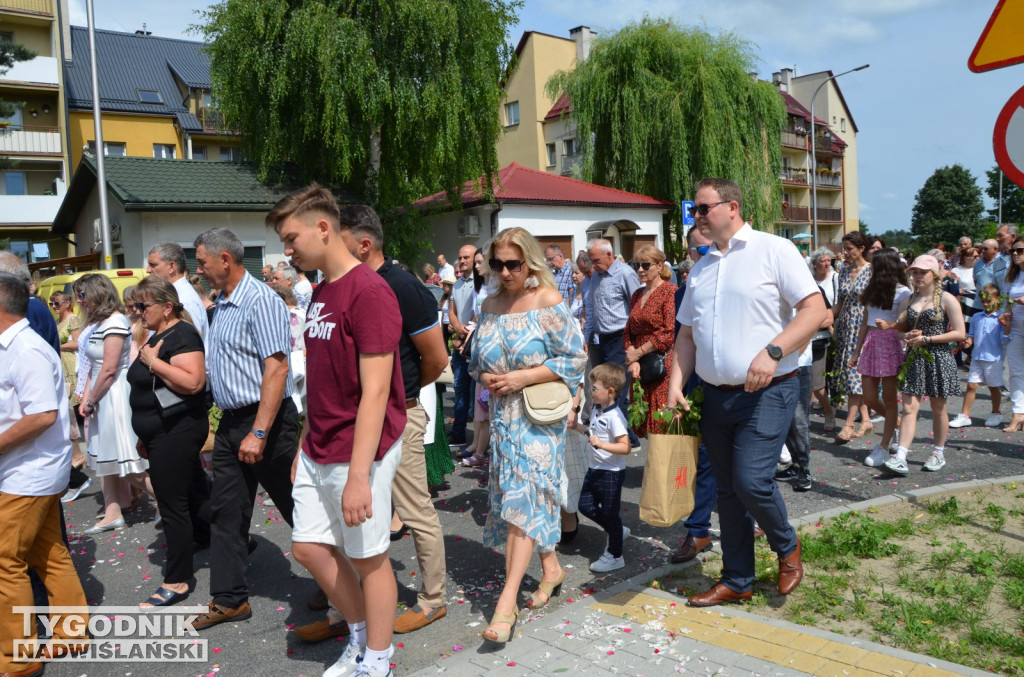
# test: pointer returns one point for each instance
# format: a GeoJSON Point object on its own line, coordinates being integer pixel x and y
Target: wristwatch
{"type": "Point", "coordinates": [259, 433]}
{"type": "Point", "coordinates": [774, 351]}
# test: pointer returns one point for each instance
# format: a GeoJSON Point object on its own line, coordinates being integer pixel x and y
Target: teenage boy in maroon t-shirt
{"type": "Point", "coordinates": [352, 436]}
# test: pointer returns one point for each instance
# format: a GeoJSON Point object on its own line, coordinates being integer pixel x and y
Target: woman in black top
{"type": "Point", "coordinates": [169, 415]}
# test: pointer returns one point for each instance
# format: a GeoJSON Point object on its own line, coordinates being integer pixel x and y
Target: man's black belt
{"type": "Point", "coordinates": [777, 379]}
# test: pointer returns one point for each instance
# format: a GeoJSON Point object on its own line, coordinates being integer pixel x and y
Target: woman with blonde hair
{"type": "Point", "coordinates": [526, 336]}
{"type": "Point", "coordinates": [69, 329]}
{"type": "Point", "coordinates": [650, 333]}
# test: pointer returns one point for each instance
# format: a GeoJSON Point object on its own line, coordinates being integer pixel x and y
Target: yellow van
{"type": "Point", "coordinates": [121, 277]}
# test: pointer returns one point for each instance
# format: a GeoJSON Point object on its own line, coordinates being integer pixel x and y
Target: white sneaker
{"type": "Point", "coordinates": [785, 458]}
{"type": "Point", "coordinates": [897, 465]}
{"type": "Point", "coordinates": [935, 463]}
{"type": "Point", "coordinates": [878, 418]}
{"type": "Point", "coordinates": [877, 457]}
{"type": "Point", "coordinates": [349, 662]}
{"type": "Point", "coordinates": [365, 669]}
{"type": "Point", "coordinates": [625, 534]}
{"type": "Point", "coordinates": [607, 563]}
{"type": "Point", "coordinates": [963, 420]}
{"type": "Point", "coordinates": [994, 421]}
{"type": "Point", "coordinates": [72, 494]}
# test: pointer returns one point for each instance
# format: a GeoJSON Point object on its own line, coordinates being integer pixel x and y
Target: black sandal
{"type": "Point", "coordinates": [166, 597]}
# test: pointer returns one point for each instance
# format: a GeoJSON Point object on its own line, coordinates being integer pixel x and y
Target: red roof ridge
{"type": "Point", "coordinates": [557, 177]}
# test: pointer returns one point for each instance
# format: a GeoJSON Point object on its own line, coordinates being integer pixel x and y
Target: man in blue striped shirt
{"type": "Point", "coordinates": [247, 350]}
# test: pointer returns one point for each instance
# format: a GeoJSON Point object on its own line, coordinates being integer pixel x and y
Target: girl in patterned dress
{"type": "Point", "coordinates": [849, 313]}
{"type": "Point", "coordinates": [932, 322]}
{"type": "Point", "coordinates": [526, 336]}
{"type": "Point", "coordinates": [879, 351]}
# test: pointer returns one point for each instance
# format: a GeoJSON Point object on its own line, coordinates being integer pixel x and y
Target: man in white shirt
{"type": "Point", "coordinates": [739, 330]}
{"type": "Point", "coordinates": [167, 261]}
{"type": "Point", "coordinates": [35, 463]}
{"type": "Point", "coordinates": [444, 269]}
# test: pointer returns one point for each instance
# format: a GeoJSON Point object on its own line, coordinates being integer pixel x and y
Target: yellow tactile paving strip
{"type": "Point", "coordinates": [817, 656]}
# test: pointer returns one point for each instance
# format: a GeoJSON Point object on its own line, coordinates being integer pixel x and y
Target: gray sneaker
{"type": "Point", "coordinates": [897, 466]}
{"type": "Point", "coordinates": [935, 463]}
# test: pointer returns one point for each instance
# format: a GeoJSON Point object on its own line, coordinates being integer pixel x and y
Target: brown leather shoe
{"type": "Point", "coordinates": [719, 594]}
{"type": "Point", "coordinates": [30, 671]}
{"type": "Point", "coordinates": [690, 548]}
{"type": "Point", "coordinates": [321, 630]}
{"type": "Point", "coordinates": [414, 619]}
{"type": "Point", "coordinates": [221, 614]}
{"type": "Point", "coordinates": [791, 571]}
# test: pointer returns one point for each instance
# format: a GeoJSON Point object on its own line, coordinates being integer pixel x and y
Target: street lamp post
{"type": "Point", "coordinates": [814, 158]}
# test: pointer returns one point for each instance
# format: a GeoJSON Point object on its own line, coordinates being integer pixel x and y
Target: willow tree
{"type": "Point", "coordinates": [393, 100]}
{"type": "Point", "coordinates": [659, 107]}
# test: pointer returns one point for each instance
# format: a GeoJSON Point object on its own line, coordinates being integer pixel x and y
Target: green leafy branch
{"type": "Point", "coordinates": [638, 408]}
{"type": "Point", "coordinates": [688, 423]}
{"type": "Point", "coordinates": [919, 351]}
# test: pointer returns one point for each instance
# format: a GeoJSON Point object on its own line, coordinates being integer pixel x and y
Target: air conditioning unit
{"type": "Point", "coordinates": [469, 226]}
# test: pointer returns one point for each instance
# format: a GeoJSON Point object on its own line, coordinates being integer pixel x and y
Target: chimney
{"type": "Point", "coordinates": [753, 75]}
{"type": "Point", "coordinates": [782, 79]}
{"type": "Point", "coordinates": [582, 36]}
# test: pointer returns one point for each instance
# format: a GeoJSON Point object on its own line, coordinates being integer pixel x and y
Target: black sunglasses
{"type": "Point", "coordinates": [142, 307]}
{"type": "Point", "coordinates": [704, 209]}
{"type": "Point", "coordinates": [1018, 250]}
{"type": "Point", "coordinates": [512, 265]}
{"type": "Point", "coordinates": [56, 304]}
{"type": "Point", "coordinates": [637, 265]}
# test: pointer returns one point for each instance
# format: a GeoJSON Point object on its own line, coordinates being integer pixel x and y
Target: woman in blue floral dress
{"type": "Point", "coordinates": [526, 335]}
{"type": "Point", "coordinates": [849, 313]}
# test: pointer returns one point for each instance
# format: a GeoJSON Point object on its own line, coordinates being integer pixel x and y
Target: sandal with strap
{"type": "Point", "coordinates": [501, 636]}
{"type": "Point", "coordinates": [864, 430]}
{"type": "Point", "coordinates": [165, 597]}
{"type": "Point", "coordinates": [1016, 423]}
{"type": "Point", "coordinates": [549, 589]}
{"type": "Point", "coordinates": [845, 435]}
{"type": "Point", "coordinates": [474, 461]}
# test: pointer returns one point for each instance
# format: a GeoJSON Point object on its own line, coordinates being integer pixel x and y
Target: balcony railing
{"type": "Point", "coordinates": [794, 175]}
{"type": "Point", "coordinates": [29, 209]}
{"type": "Point", "coordinates": [571, 163]}
{"type": "Point", "coordinates": [211, 119]}
{"type": "Point", "coordinates": [29, 140]}
{"type": "Point", "coordinates": [37, 6]}
{"type": "Point", "coordinates": [793, 139]}
{"type": "Point", "coordinates": [828, 181]}
{"type": "Point", "coordinates": [830, 214]}
{"type": "Point", "coordinates": [41, 70]}
{"type": "Point", "coordinates": [804, 214]}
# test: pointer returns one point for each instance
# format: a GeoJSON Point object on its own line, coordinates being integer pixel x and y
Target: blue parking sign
{"type": "Point", "coordinates": [687, 219]}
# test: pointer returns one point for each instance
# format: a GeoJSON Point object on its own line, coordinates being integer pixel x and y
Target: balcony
{"type": "Point", "coordinates": [571, 164]}
{"type": "Point", "coordinates": [23, 210]}
{"type": "Point", "coordinates": [828, 180]}
{"type": "Point", "coordinates": [25, 140]}
{"type": "Point", "coordinates": [833, 214]}
{"type": "Point", "coordinates": [211, 119]}
{"type": "Point", "coordinates": [41, 70]}
{"type": "Point", "coordinates": [791, 175]}
{"type": "Point", "coordinates": [33, 6]}
{"type": "Point", "coordinates": [794, 140]}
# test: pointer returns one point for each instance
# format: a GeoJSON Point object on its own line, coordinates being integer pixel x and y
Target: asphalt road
{"type": "Point", "coordinates": [123, 568]}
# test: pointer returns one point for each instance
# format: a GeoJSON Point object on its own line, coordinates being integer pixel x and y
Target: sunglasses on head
{"type": "Point", "coordinates": [705, 208]}
{"type": "Point", "coordinates": [513, 266]}
{"type": "Point", "coordinates": [702, 250]}
{"type": "Point", "coordinates": [637, 265]}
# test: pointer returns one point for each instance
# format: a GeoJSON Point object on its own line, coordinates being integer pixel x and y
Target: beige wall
{"type": "Point", "coordinates": [32, 33]}
{"type": "Point", "coordinates": [137, 132]}
{"type": "Point", "coordinates": [541, 57]}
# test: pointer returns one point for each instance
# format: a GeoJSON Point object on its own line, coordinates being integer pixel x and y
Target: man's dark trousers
{"type": "Point", "coordinates": [234, 491]}
{"type": "Point", "coordinates": [462, 384]}
{"type": "Point", "coordinates": [744, 433]}
{"type": "Point", "coordinates": [798, 439]}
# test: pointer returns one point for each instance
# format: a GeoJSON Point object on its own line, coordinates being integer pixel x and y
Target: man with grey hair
{"type": "Point", "coordinates": [39, 316]}
{"type": "Point", "coordinates": [167, 261]}
{"type": "Point", "coordinates": [247, 351]}
{"type": "Point", "coordinates": [611, 288]}
{"type": "Point", "coordinates": [35, 463]}
{"type": "Point", "coordinates": [563, 272]}
{"type": "Point", "coordinates": [990, 268]}
{"type": "Point", "coordinates": [1006, 234]}
{"type": "Point", "coordinates": [285, 279]}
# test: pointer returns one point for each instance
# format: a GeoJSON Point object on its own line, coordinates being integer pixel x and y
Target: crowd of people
{"type": "Point", "coordinates": [326, 396]}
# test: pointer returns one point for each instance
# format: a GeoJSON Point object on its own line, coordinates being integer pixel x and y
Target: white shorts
{"type": "Point", "coordinates": [318, 517]}
{"type": "Point", "coordinates": [986, 372]}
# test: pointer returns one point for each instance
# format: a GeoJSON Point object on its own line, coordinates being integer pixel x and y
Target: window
{"type": "Point", "coordinates": [6, 36]}
{"type": "Point", "coordinates": [13, 183]}
{"type": "Point", "coordinates": [198, 152]}
{"type": "Point", "coordinates": [207, 99]}
{"type": "Point", "coordinates": [842, 124]}
{"type": "Point", "coordinates": [570, 147]}
{"type": "Point", "coordinates": [512, 114]}
{"type": "Point", "coordinates": [833, 119]}
{"type": "Point", "coordinates": [149, 96]}
{"type": "Point", "coordinates": [164, 150]}
{"type": "Point", "coordinates": [14, 122]}
{"type": "Point", "coordinates": [786, 197]}
{"type": "Point", "coordinates": [551, 154]}
{"type": "Point", "coordinates": [228, 154]}
{"type": "Point", "coordinates": [114, 149]}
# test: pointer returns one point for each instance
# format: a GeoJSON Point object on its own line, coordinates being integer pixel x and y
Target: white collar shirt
{"type": "Point", "coordinates": [32, 382]}
{"type": "Point", "coordinates": [739, 301]}
{"type": "Point", "coordinates": [189, 298]}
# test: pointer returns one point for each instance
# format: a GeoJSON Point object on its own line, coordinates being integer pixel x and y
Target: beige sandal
{"type": "Point", "coordinates": [549, 588]}
{"type": "Point", "coordinates": [501, 636]}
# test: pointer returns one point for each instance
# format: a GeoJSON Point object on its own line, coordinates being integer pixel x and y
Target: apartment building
{"type": "Point", "coordinates": [33, 141]}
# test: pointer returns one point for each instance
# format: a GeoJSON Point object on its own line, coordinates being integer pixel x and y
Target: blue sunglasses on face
{"type": "Point", "coordinates": [701, 250]}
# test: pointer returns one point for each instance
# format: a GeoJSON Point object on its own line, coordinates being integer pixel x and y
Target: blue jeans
{"type": "Point", "coordinates": [744, 433]}
{"type": "Point", "coordinates": [615, 352]}
{"type": "Point", "coordinates": [705, 493]}
{"type": "Point", "coordinates": [463, 386]}
{"type": "Point", "coordinates": [798, 440]}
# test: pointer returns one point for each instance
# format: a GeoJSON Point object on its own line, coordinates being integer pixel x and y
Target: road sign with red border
{"type": "Point", "coordinates": [1000, 44]}
{"type": "Point", "coordinates": [1008, 138]}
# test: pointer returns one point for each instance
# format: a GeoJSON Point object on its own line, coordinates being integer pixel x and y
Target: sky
{"type": "Point", "coordinates": [917, 108]}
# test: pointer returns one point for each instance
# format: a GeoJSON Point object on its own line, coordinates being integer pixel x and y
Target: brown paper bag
{"type": "Point", "coordinates": [666, 495]}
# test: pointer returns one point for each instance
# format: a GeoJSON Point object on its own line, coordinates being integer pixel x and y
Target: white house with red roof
{"type": "Point", "coordinates": [555, 209]}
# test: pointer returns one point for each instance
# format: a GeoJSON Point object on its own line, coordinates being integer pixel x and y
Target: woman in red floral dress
{"type": "Point", "coordinates": [651, 328]}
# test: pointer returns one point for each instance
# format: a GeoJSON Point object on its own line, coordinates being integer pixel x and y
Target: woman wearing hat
{"type": "Point", "coordinates": [932, 323]}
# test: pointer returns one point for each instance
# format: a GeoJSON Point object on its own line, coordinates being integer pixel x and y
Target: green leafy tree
{"type": "Point", "coordinates": [947, 207]}
{"type": "Point", "coordinates": [660, 106]}
{"type": "Point", "coordinates": [901, 239]}
{"type": "Point", "coordinates": [1013, 198]}
{"type": "Point", "coordinates": [392, 100]}
{"type": "Point", "coordinates": [862, 226]}
{"type": "Point", "coordinates": [10, 54]}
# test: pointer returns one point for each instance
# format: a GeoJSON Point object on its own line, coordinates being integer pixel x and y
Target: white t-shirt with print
{"type": "Point", "coordinates": [607, 426]}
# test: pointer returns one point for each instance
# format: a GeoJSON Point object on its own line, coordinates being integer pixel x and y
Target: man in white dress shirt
{"type": "Point", "coordinates": [739, 331]}
{"type": "Point", "coordinates": [167, 261]}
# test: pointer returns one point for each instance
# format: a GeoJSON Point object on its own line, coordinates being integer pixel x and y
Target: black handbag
{"type": "Point", "coordinates": [652, 368]}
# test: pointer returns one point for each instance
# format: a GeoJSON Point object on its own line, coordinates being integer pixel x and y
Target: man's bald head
{"type": "Point", "coordinates": [15, 265]}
